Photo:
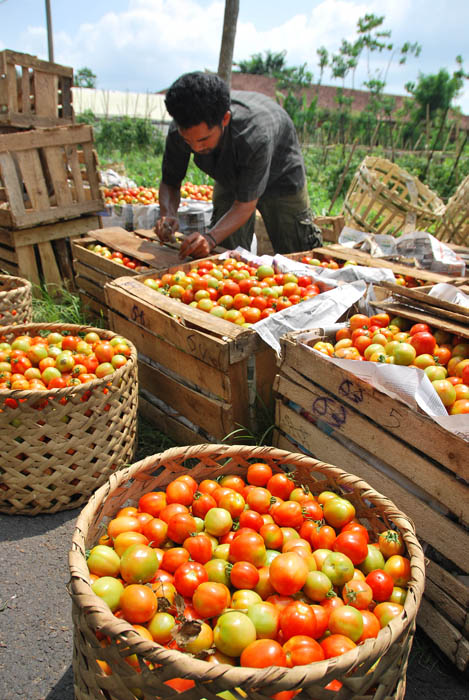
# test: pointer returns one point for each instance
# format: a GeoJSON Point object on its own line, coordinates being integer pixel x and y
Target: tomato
{"type": "Point", "coordinates": [288, 514]}
{"type": "Point", "coordinates": [138, 603]}
{"type": "Point", "coordinates": [317, 586]}
{"type": "Point", "coordinates": [262, 653]}
{"type": "Point", "coordinates": [381, 320]}
{"type": "Point", "coordinates": [338, 567]}
{"type": "Point", "coordinates": [264, 586]}
{"type": "Point", "coordinates": [348, 621]}
{"type": "Point", "coordinates": [338, 511]}
{"type": "Point", "coordinates": [232, 501]}
{"type": "Point", "coordinates": [423, 342]}
{"type": "Point", "coordinates": [233, 632]}
{"type": "Point", "coordinates": [371, 626]}
{"type": "Point", "coordinates": [390, 542]}
{"type": "Point", "coordinates": [385, 612]}
{"type": "Point", "coordinates": [110, 590]}
{"type": "Point", "coordinates": [353, 544]}
{"type": "Point", "coordinates": [381, 583]}
{"type": "Point", "coordinates": [259, 499]}
{"type": "Point", "coordinates": [297, 618]}
{"type": "Point", "coordinates": [181, 526]}
{"type": "Point", "coordinates": [323, 537]}
{"type": "Point", "coordinates": [178, 491]}
{"type": "Point", "coordinates": [156, 531]}
{"type": "Point", "coordinates": [188, 576]}
{"type": "Point", "coordinates": [266, 619]}
{"type": "Point", "coordinates": [189, 480]}
{"type": "Point", "coordinates": [103, 350]}
{"type": "Point", "coordinates": [218, 570]}
{"type": "Point", "coordinates": [243, 574]}
{"type": "Point", "coordinates": [218, 521]}
{"type": "Point", "coordinates": [398, 567]}
{"type": "Point", "coordinates": [202, 642]}
{"type": "Point", "coordinates": [171, 509]}
{"type": "Point", "coordinates": [354, 526]}
{"type": "Point", "coordinates": [103, 561]}
{"type": "Point", "coordinates": [160, 627]}
{"type": "Point", "coordinates": [357, 593]}
{"type": "Point", "coordinates": [211, 598]}
{"type": "Point", "coordinates": [202, 503]}
{"type": "Point", "coordinates": [288, 573]}
{"type": "Point", "coordinates": [248, 547]}
{"type": "Point", "coordinates": [460, 406]}
{"type": "Point", "coordinates": [252, 519]}
{"type": "Point", "coordinates": [138, 564]}
{"type": "Point", "coordinates": [272, 535]}
{"type": "Point", "coordinates": [336, 645]}
{"type": "Point", "coordinates": [374, 560]}
{"type": "Point", "coordinates": [126, 539]}
{"type": "Point", "coordinates": [258, 474]}
{"type": "Point", "coordinates": [174, 557]}
{"type": "Point", "coordinates": [280, 485]}
{"type": "Point", "coordinates": [199, 547]}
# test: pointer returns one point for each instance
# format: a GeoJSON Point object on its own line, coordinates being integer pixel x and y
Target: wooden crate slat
{"type": "Point", "coordinates": [45, 93]}
{"type": "Point", "coordinates": [42, 138]}
{"type": "Point", "coordinates": [12, 87]}
{"type": "Point", "coordinates": [25, 90]}
{"type": "Point", "coordinates": [63, 256]}
{"type": "Point", "coordinates": [73, 161]}
{"type": "Point", "coordinates": [447, 637]}
{"type": "Point", "coordinates": [446, 602]}
{"type": "Point", "coordinates": [177, 431]}
{"type": "Point", "coordinates": [189, 368]}
{"type": "Point", "coordinates": [436, 485]}
{"type": "Point", "coordinates": [32, 174]}
{"type": "Point", "coordinates": [23, 59]}
{"type": "Point", "coordinates": [57, 169]}
{"type": "Point", "coordinates": [9, 254]}
{"type": "Point", "coordinates": [50, 269]}
{"type": "Point", "coordinates": [91, 168]}
{"type": "Point", "coordinates": [434, 528]}
{"type": "Point", "coordinates": [393, 415]}
{"type": "Point", "coordinates": [213, 416]}
{"type": "Point", "coordinates": [97, 277]}
{"type": "Point", "coordinates": [94, 290]}
{"type": "Point", "coordinates": [13, 188]}
{"type": "Point", "coordinates": [51, 232]}
{"type": "Point", "coordinates": [27, 264]}
{"type": "Point", "coordinates": [65, 86]}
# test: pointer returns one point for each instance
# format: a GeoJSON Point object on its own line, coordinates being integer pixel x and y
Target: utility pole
{"type": "Point", "coordinates": [50, 42]}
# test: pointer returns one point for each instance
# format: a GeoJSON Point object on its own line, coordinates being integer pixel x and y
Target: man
{"type": "Point", "coordinates": [249, 146]}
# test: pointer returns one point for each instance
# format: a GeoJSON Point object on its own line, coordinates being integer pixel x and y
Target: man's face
{"type": "Point", "coordinates": [202, 138]}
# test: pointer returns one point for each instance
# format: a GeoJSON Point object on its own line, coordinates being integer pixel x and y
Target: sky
{"type": "Point", "coordinates": [144, 45]}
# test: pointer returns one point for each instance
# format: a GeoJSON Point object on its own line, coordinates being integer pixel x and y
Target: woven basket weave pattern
{"type": "Point", "coordinates": [16, 300]}
{"type": "Point", "coordinates": [60, 445]}
{"type": "Point", "coordinates": [391, 647]}
{"type": "Point", "coordinates": [454, 226]}
{"type": "Point", "coordinates": [384, 198]}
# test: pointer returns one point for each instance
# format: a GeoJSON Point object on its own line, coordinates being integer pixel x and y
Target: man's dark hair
{"type": "Point", "coordinates": [198, 97]}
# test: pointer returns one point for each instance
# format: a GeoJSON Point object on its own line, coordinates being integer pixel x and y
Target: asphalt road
{"type": "Point", "coordinates": [36, 627]}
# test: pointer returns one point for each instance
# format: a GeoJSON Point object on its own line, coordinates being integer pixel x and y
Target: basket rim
{"type": "Point", "coordinates": [19, 282]}
{"type": "Point", "coordinates": [80, 587]}
{"type": "Point", "coordinates": [69, 390]}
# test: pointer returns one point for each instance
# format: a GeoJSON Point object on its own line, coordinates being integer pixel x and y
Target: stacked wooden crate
{"type": "Point", "coordinates": [201, 378]}
{"type": "Point", "coordinates": [49, 183]}
{"type": "Point", "coordinates": [326, 410]}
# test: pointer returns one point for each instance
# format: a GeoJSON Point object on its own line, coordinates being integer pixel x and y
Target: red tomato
{"type": "Point", "coordinates": [258, 474]}
{"type": "Point", "coordinates": [301, 650]}
{"type": "Point", "coordinates": [385, 612]}
{"type": "Point", "coordinates": [359, 321]}
{"type": "Point", "coordinates": [263, 653]}
{"type": "Point", "coordinates": [390, 542]}
{"type": "Point", "coordinates": [126, 539]}
{"type": "Point", "coordinates": [259, 499]}
{"type": "Point", "coordinates": [280, 485]}
{"type": "Point", "coordinates": [180, 526]}
{"type": "Point", "coordinates": [199, 547]}
{"type": "Point", "coordinates": [171, 509]}
{"type": "Point", "coordinates": [248, 547]}
{"type": "Point", "coordinates": [423, 342]}
{"type": "Point", "coordinates": [178, 491]}
{"type": "Point", "coordinates": [232, 481]}
{"type": "Point", "coordinates": [202, 503]}
{"type": "Point", "coordinates": [288, 514]}
{"type": "Point", "coordinates": [252, 519]}
{"type": "Point", "coordinates": [124, 523]}
{"type": "Point", "coordinates": [353, 544]}
{"type": "Point", "coordinates": [354, 526]}
{"type": "Point", "coordinates": [381, 583]}
{"type": "Point", "coordinates": [188, 576]}
{"type": "Point", "coordinates": [381, 320]}
{"type": "Point", "coordinates": [288, 573]}
{"type": "Point", "coordinates": [398, 567]}
{"type": "Point", "coordinates": [357, 593]}
{"type": "Point", "coordinates": [155, 530]}
{"type": "Point", "coordinates": [174, 557]}
{"type": "Point", "coordinates": [139, 563]}
{"type": "Point", "coordinates": [210, 599]}
{"type": "Point", "coordinates": [336, 645]}
{"type": "Point", "coordinates": [244, 575]}
{"type": "Point", "coordinates": [272, 535]}
{"type": "Point", "coordinates": [371, 626]}
{"type": "Point", "coordinates": [323, 537]}
{"type": "Point", "coordinates": [138, 603]}
{"type": "Point", "coordinates": [297, 618]}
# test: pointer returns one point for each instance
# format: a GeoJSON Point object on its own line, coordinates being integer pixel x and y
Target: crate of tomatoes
{"type": "Point", "coordinates": [389, 397]}
{"type": "Point", "coordinates": [240, 571]}
{"type": "Point", "coordinates": [68, 411]}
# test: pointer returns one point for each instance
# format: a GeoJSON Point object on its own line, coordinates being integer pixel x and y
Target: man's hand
{"type": "Point", "coordinates": [195, 245]}
{"type": "Point", "coordinates": [165, 228]}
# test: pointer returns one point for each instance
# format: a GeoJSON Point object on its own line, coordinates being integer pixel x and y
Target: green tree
{"type": "Point", "coordinates": [272, 64]}
{"type": "Point", "coordinates": [84, 77]}
{"type": "Point", "coordinates": [436, 91]}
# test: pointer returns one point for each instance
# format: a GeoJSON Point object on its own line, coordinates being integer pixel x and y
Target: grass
{"type": "Point", "coordinates": [59, 306]}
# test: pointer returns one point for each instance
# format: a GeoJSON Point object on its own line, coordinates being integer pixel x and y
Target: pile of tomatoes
{"type": "Point", "coordinates": [149, 195]}
{"type": "Point", "coordinates": [254, 572]}
{"type": "Point", "coordinates": [234, 290]}
{"type": "Point", "coordinates": [117, 257]}
{"type": "Point", "coordinates": [331, 264]}
{"type": "Point", "coordinates": [444, 357]}
{"type": "Point", "coordinates": [58, 360]}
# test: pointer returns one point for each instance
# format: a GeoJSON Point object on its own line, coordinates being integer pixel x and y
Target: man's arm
{"type": "Point", "coordinates": [169, 198]}
{"type": "Point", "coordinates": [199, 246]}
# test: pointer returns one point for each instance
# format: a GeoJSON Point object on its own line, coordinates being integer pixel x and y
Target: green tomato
{"type": "Point", "coordinates": [103, 561]}
{"type": "Point", "coordinates": [233, 632]}
{"type": "Point", "coordinates": [374, 560]}
{"type": "Point", "coordinates": [338, 568]}
{"type": "Point", "coordinates": [109, 589]}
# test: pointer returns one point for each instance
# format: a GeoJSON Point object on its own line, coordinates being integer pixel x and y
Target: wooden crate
{"type": "Point", "coordinates": [200, 376]}
{"type": "Point", "coordinates": [329, 412]}
{"type": "Point", "coordinates": [48, 175]}
{"type": "Point", "coordinates": [341, 254]}
{"type": "Point", "coordinates": [43, 254]}
{"type": "Point", "coordinates": [34, 93]}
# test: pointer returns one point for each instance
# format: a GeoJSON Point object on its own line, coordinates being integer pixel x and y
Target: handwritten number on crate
{"type": "Point", "coordinates": [330, 410]}
{"type": "Point", "coordinates": [350, 390]}
{"type": "Point", "coordinates": [137, 315]}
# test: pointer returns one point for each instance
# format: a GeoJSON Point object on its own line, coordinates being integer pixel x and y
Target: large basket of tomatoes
{"type": "Point", "coordinates": [242, 572]}
{"type": "Point", "coordinates": [68, 411]}
{"type": "Point", "coordinates": [16, 300]}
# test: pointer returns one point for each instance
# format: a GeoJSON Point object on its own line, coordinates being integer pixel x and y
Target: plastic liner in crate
{"type": "Point", "coordinates": [193, 216]}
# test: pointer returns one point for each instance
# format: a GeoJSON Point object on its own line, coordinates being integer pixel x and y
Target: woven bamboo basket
{"type": "Point", "coordinates": [16, 300]}
{"type": "Point", "coordinates": [384, 198]}
{"type": "Point", "coordinates": [454, 225]}
{"type": "Point", "coordinates": [375, 670]}
{"type": "Point", "coordinates": [58, 446]}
